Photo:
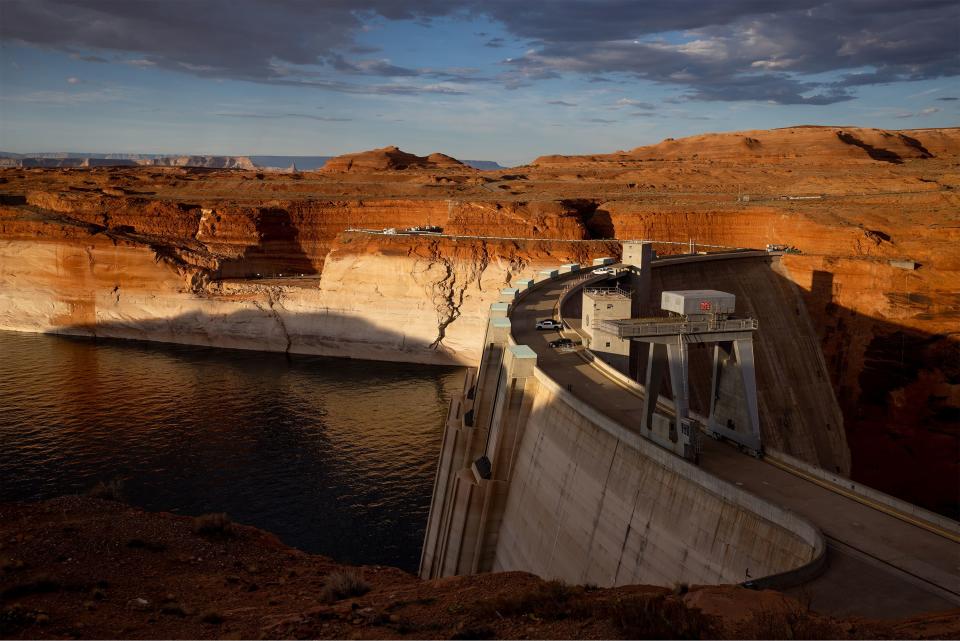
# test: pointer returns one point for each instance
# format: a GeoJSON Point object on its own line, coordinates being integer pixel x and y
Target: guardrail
{"type": "Point", "coordinates": [381, 232]}
{"type": "Point", "coordinates": [615, 291]}
{"type": "Point", "coordinates": [930, 521]}
{"type": "Point", "coordinates": [668, 326]}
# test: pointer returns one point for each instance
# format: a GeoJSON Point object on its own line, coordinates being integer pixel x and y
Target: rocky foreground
{"type": "Point", "coordinates": [81, 567]}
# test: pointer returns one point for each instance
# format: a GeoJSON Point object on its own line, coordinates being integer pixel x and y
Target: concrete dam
{"type": "Point", "coordinates": [546, 464]}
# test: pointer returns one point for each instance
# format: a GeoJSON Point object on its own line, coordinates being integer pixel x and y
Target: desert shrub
{"type": "Point", "coordinates": [140, 544]}
{"type": "Point", "coordinates": [659, 617]}
{"type": "Point", "coordinates": [14, 618]}
{"type": "Point", "coordinates": [39, 584]}
{"type": "Point", "coordinates": [796, 623]}
{"type": "Point", "coordinates": [342, 584]}
{"type": "Point", "coordinates": [215, 525]}
{"type": "Point", "coordinates": [174, 609]}
{"type": "Point", "coordinates": [475, 632]}
{"type": "Point", "coordinates": [111, 490]}
{"type": "Point", "coordinates": [212, 617]}
{"type": "Point", "coordinates": [552, 600]}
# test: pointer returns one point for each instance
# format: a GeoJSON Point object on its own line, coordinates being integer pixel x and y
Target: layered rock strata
{"type": "Point", "coordinates": [195, 255]}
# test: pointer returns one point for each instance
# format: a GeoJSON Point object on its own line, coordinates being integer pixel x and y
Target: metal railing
{"type": "Point", "coordinates": [616, 291]}
{"type": "Point", "coordinates": [667, 326]}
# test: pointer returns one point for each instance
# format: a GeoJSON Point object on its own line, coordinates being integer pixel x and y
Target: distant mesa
{"type": "Point", "coordinates": [389, 159]}
{"type": "Point", "coordinates": [483, 165]}
{"type": "Point", "coordinates": [805, 143]}
{"type": "Point", "coordinates": [123, 160]}
{"type": "Point", "coordinates": [210, 162]}
{"type": "Point", "coordinates": [302, 163]}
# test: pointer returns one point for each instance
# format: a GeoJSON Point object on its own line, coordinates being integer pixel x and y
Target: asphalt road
{"type": "Point", "coordinates": [878, 565]}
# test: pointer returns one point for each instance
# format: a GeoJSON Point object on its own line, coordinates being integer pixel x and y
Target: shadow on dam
{"type": "Point", "coordinates": [902, 425]}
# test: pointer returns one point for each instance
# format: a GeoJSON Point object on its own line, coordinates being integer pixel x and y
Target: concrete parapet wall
{"type": "Point", "coordinates": [863, 492]}
{"type": "Point", "coordinates": [591, 501]}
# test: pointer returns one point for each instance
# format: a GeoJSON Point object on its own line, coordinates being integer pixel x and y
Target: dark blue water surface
{"type": "Point", "coordinates": [334, 456]}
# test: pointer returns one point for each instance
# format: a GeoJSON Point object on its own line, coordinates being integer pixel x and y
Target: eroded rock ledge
{"type": "Point", "coordinates": [78, 567]}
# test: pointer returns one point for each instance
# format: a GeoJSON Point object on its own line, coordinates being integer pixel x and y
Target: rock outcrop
{"type": "Point", "coordinates": [390, 159]}
{"type": "Point", "coordinates": [86, 568]}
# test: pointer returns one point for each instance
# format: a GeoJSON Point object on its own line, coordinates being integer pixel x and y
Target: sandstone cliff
{"type": "Point", "coordinates": [414, 298]}
{"type": "Point", "coordinates": [390, 158]}
{"type": "Point", "coordinates": [195, 255]}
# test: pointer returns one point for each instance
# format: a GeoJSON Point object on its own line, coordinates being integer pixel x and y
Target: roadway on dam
{"type": "Point", "coordinates": [878, 565]}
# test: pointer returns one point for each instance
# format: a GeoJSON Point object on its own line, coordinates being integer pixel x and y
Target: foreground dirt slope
{"type": "Point", "coordinates": [875, 213]}
{"type": "Point", "coordinates": [78, 567]}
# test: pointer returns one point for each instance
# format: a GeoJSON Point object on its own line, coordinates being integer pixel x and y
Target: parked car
{"type": "Point", "coordinates": [548, 323]}
{"type": "Point", "coordinates": [604, 270]}
{"type": "Point", "coordinates": [561, 342]}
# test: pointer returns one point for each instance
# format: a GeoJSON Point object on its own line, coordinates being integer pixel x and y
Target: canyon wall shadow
{"type": "Point", "coordinates": [902, 429]}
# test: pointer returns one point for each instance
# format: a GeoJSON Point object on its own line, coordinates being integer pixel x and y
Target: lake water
{"type": "Point", "coordinates": [334, 456]}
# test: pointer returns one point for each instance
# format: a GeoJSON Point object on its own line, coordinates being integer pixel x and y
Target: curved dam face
{"type": "Point", "coordinates": [591, 504]}
{"type": "Point", "coordinates": [532, 477]}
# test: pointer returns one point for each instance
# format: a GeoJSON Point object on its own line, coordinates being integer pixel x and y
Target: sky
{"type": "Point", "coordinates": [501, 80]}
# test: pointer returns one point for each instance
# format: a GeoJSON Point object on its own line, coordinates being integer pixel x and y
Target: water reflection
{"type": "Point", "coordinates": [334, 456]}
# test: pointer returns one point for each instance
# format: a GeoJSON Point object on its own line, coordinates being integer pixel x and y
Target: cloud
{"type": "Point", "coordinates": [948, 98]}
{"type": "Point", "coordinates": [601, 121]}
{"type": "Point", "coordinates": [285, 42]}
{"type": "Point", "coordinates": [364, 49]}
{"type": "Point", "coordinates": [743, 49]}
{"type": "Point", "coordinates": [789, 52]}
{"type": "Point", "coordinates": [77, 56]}
{"type": "Point", "coordinates": [73, 80]}
{"type": "Point", "coordinates": [381, 67]}
{"type": "Point", "coordinates": [636, 104]}
{"type": "Point", "coordinates": [929, 111]}
{"type": "Point", "coordinates": [71, 97]}
{"type": "Point", "coordinates": [143, 62]}
{"type": "Point", "coordinates": [561, 103]}
{"type": "Point", "coordinates": [271, 116]}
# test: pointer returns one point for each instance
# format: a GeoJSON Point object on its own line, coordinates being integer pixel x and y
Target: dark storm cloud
{"type": "Point", "coordinates": [948, 98]}
{"type": "Point", "coordinates": [273, 41]}
{"type": "Point", "coordinates": [731, 50]}
{"type": "Point", "coordinates": [740, 49]}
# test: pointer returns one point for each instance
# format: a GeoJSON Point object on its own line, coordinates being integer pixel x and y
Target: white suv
{"type": "Point", "coordinates": [604, 270]}
{"type": "Point", "coordinates": [548, 324]}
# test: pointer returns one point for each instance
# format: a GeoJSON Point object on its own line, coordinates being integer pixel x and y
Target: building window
{"type": "Point", "coordinates": [608, 343]}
